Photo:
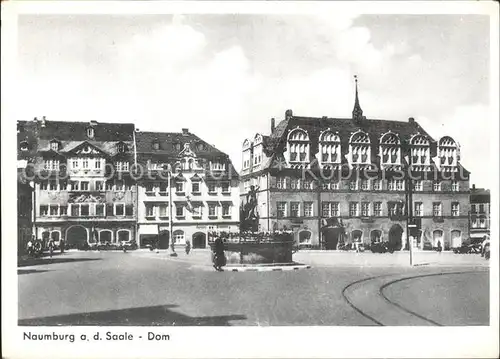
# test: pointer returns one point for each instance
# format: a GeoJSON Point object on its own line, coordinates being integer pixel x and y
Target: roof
{"type": "Point", "coordinates": [479, 195]}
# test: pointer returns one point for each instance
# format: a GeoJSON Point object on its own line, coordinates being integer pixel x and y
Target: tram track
{"type": "Point", "coordinates": [379, 294]}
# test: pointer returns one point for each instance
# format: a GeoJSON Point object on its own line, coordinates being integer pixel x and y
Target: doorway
{"type": "Point", "coordinates": [199, 240]}
{"type": "Point", "coordinates": [396, 237]}
{"type": "Point", "coordinates": [163, 239]}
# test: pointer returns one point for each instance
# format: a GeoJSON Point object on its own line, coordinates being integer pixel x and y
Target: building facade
{"type": "Point", "coordinates": [83, 189]}
{"type": "Point", "coordinates": [479, 213]}
{"type": "Point", "coordinates": [336, 180]}
{"type": "Point", "coordinates": [189, 189]}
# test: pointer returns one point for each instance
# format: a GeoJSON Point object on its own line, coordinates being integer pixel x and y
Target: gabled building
{"type": "Point", "coordinates": [479, 213]}
{"type": "Point", "coordinates": [83, 188]}
{"type": "Point", "coordinates": [336, 180]}
{"type": "Point", "coordinates": [188, 189]}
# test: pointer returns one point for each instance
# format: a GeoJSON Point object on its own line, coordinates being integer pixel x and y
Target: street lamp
{"type": "Point", "coordinates": [408, 198]}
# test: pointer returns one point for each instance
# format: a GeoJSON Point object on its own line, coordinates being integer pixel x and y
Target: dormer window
{"type": "Point", "coordinates": [298, 146]}
{"type": "Point", "coordinates": [420, 151]}
{"type": "Point", "coordinates": [448, 152]}
{"type": "Point", "coordinates": [217, 166]}
{"type": "Point", "coordinates": [360, 148]}
{"type": "Point", "coordinates": [54, 146]}
{"type": "Point", "coordinates": [200, 146]}
{"type": "Point", "coordinates": [122, 148]}
{"type": "Point", "coordinates": [390, 149]}
{"type": "Point", "coordinates": [90, 132]}
{"type": "Point", "coordinates": [156, 145]}
{"type": "Point", "coordinates": [329, 147]}
{"type": "Point", "coordinates": [24, 146]}
{"type": "Point", "coordinates": [177, 146]}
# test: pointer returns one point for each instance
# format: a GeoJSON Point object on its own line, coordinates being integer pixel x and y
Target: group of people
{"type": "Point", "coordinates": [35, 246]}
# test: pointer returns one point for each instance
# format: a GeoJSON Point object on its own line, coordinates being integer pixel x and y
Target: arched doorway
{"type": "Point", "coordinates": [396, 237]}
{"type": "Point", "coordinates": [376, 236]}
{"type": "Point", "coordinates": [163, 239]}
{"type": "Point", "coordinates": [76, 236]}
{"type": "Point", "coordinates": [437, 237]}
{"type": "Point", "coordinates": [123, 235]}
{"type": "Point", "coordinates": [456, 239]}
{"type": "Point", "coordinates": [105, 236]}
{"type": "Point", "coordinates": [357, 236]}
{"type": "Point", "coordinates": [199, 240]}
{"type": "Point", "coordinates": [178, 237]}
{"type": "Point", "coordinates": [331, 237]}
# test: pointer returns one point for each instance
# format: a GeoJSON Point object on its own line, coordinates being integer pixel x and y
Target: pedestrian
{"type": "Point", "coordinates": [188, 247]}
{"type": "Point", "coordinates": [51, 247]}
{"type": "Point", "coordinates": [219, 256]}
{"type": "Point", "coordinates": [439, 248]}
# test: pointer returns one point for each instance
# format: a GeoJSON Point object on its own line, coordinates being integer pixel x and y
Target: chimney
{"type": "Point", "coordinates": [35, 119]}
{"type": "Point", "coordinates": [288, 114]}
{"type": "Point", "coordinates": [43, 121]}
{"type": "Point", "coordinates": [273, 125]}
{"type": "Point", "coordinates": [185, 131]}
{"type": "Point", "coordinates": [411, 120]}
{"type": "Point", "coordinates": [474, 186]}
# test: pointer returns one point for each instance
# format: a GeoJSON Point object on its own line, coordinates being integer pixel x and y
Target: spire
{"type": "Point", "coordinates": [357, 112]}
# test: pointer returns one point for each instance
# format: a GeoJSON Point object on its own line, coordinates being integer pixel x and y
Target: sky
{"type": "Point", "coordinates": [225, 76]}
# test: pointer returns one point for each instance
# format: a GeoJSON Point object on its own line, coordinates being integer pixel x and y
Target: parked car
{"type": "Point", "coordinates": [381, 247]}
{"type": "Point", "coordinates": [468, 248]}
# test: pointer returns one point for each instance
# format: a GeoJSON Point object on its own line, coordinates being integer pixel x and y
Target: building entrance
{"type": "Point", "coordinates": [395, 237]}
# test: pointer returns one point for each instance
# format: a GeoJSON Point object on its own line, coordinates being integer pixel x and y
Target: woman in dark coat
{"type": "Point", "coordinates": [219, 257]}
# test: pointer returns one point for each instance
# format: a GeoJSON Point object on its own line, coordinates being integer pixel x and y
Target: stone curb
{"type": "Point", "coordinates": [266, 269]}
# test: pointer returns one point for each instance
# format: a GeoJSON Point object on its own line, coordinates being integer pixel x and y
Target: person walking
{"type": "Point", "coordinates": [439, 247]}
{"type": "Point", "coordinates": [219, 257]}
{"type": "Point", "coordinates": [51, 247]}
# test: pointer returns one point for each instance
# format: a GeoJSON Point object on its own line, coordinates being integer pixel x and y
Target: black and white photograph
{"type": "Point", "coordinates": [306, 173]}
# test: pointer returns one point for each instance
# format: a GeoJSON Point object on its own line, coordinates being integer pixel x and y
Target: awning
{"type": "Point", "coordinates": [148, 229]}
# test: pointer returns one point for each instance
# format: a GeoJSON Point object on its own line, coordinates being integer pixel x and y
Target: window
{"type": "Point", "coordinates": [396, 185]}
{"type": "Point", "coordinates": [377, 185]}
{"type": "Point", "coordinates": [90, 132]}
{"type": "Point", "coordinates": [99, 185]}
{"type": "Point", "coordinates": [359, 148]}
{"type": "Point", "coordinates": [54, 209]}
{"type": "Point", "coordinates": [179, 187]}
{"type": "Point", "coordinates": [179, 210]}
{"type": "Point", "coordinates": [212, 210]}
{"type": "Point", "coordinates": [99, 210]}
{"type": "Point", "coordinates": [212, 188]}
{"type": "Point", "coordinates": [121, 147]}
{"type": "Point", "coordinates": [395, 209]}
{"type": "Point", "coordinates": [195, 187]}
{"type": "Point", "coordinates": [226, 210]}
{"type": "Point", "coordinates": [84, 210]}
{"type": "Point", "coordinates": [298, 145]}
{"type": "Point", "coordinates": [74, 185]}
{"type": "Point", "coordinates": [97, 164]}
{"type": "Point", "coordinates": [329, 147]}
{"type": "Point", "coordinates": [481, 208]}
{"type": "Point", "coordinates": [377, 209]}
{"type": "Point", "coordinates": [331, 209]}
{"type": "Point", "coordinates": [53, 185]}
{"type": "Point", "coordinates": [455, 186]}
{"type": "Point", "coordinates": [294, 209]}
{"type": "Point", "coordinates": [436, 186]}
{"type": "Point", "coordinates": [84, 186]}
{"type": "Point", "coordinates": [217, 166]}
{"type": "Point", "coordinates": [436, 209]}
{"type": "Point", "coordinates": [281, 209]}
{"type": "Point", "coordinates": [85, 163]}
{"type": "Point", "coordinates": [308, 209]}
{"type": "Point", "coordinates": [150, 210]}
{"type": "Point", "coordinates": [163, 188]}
{"type": "Point", "coordinates": [63, 210]}
{"type": "Point", "coordinates": [54, 146]}
{"type": "Point", "coordinates": [335, 185]}
{"type": "Point", "coordinates": [44, 210]}
{"type": "Point", "coordinates": [353, 185]}
{"type": "Point", "coordinates": [294, 183]}
{"type": "Point", "coordinates": [122, 166]}
{"type": "Point", "coordinates": [225, 187]}
{"type": "Point", "coordinates": [419, 209]}
{"type": "Point", "coordinates": [307, 184]}
{"type": "Point", "coordinates": [280, 182]}
{"type": "Point", "coordinates": [163, 210]}
{"type": "Point", "coordinates": [156, 145]}
{"type": "Point", "coordinates": [51, 165]}
{"type": "Point", "coordinates": [418, 186]}
{"type": "Point", "coordinates": [43, 185]}
{"type": "Point", "coordinates": [305, 237]}
{"type": "Point", "coordinates": [365, 185]}
{"type": "Point", "coordinates": [353, 209]}
{"type": "Point", "coordinates": [365, 209]}
{"type": "Point", "coordinates": [482, 222]}
{"type": "Point", "coordinates": [119, 209]}
{"type": "Point", "coordinates": [74, 163]}
{"type": "Point", "coordinates": [24, 146]}
{"type": "Point", "coordinates": [75, 210]}
{"type": "Point", "coordinates": [455, 209]}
